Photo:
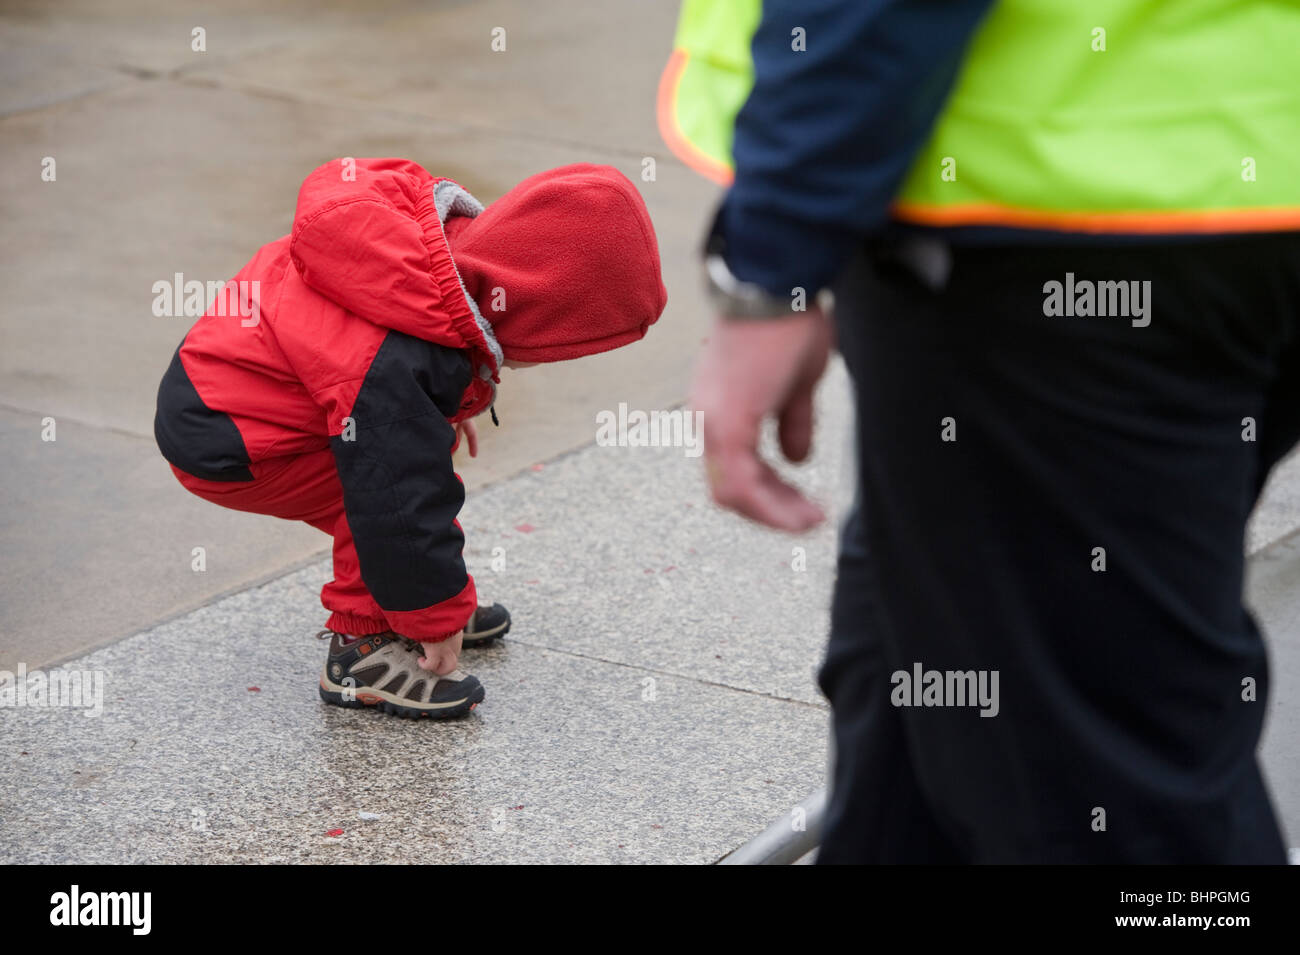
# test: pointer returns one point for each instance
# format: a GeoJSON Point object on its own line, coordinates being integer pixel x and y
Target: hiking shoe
{"type": "Point", "coordinates": [486, 625]}
{"type": "Point", "coordinates": [383, 670]}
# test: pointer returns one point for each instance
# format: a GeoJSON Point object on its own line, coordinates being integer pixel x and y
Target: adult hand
{"type": "Point", "coordinates": [751, 369]}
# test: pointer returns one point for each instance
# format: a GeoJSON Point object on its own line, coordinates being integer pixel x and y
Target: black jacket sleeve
{"type": "Point", "coordinates": [401, 493]}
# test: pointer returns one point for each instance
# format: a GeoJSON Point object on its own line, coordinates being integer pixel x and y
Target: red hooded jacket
{"type": "Point", "coordinates": [359, 332]}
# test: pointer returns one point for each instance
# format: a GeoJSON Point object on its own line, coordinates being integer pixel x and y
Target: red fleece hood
{"type": "Point", "coordinates": [573, 254]}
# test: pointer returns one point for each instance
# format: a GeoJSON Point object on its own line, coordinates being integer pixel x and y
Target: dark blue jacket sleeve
{"type": "Point", "coordinates": [827, 134]}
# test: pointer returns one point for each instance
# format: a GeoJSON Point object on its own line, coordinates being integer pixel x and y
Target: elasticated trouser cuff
{"type": "Point", "coordinates": [356, 626]}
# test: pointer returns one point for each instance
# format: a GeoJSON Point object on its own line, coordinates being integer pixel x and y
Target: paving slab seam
{"type": "Point", "coordinates": [426, 121]}
{"type": "Point", "coordinates": [80, 422]}
{"type": "Point", "coordinates": [134, 75]}
{"type": "Point", "coordinates": [147, 75]}
{"type": "Point", "coordinates": [1286, 539]}
{"type": "Point", "coordinates": [233, 591]}
{"type": "Point", "coordinates": [674, 674]}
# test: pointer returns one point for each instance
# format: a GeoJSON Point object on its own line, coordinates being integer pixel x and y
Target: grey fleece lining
{"type": "Point", "coordinates": [451, 200]}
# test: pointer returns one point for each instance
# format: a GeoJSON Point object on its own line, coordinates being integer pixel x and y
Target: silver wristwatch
{"type": "Point", "coordinates": [735, 298]}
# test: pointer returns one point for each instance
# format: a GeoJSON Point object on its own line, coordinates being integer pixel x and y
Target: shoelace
{"type": "Point", "coordinates": [411, 645]}
{"type": "Point", "coordinates": [328, 634]}
{"type": "Point", "coordinates": [408, 642]}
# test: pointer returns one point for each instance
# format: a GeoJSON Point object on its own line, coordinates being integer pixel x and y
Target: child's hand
{"type": "Point", "coordinates": [470, 430]}
{"type": "Point", "coordinates": [441, 657]}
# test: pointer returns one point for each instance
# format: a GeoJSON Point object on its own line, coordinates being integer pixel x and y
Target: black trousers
{"type": "Point", "coordinates": [1061, 500]}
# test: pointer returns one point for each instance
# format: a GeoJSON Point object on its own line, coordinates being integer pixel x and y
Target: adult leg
{"type": "Point", "coordinates": [877, 813]}
{"type": "Point", "coordinates": [1062, 501]}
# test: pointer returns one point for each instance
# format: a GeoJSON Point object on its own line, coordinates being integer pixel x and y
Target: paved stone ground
{"type": "Point", "coordinates": [654, 702]}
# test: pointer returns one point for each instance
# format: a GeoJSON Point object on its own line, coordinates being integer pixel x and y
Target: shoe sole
{"type": "Point", "coordinates": [487, 636]}
{"type": "Point", "coordinates": [362, 697]}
